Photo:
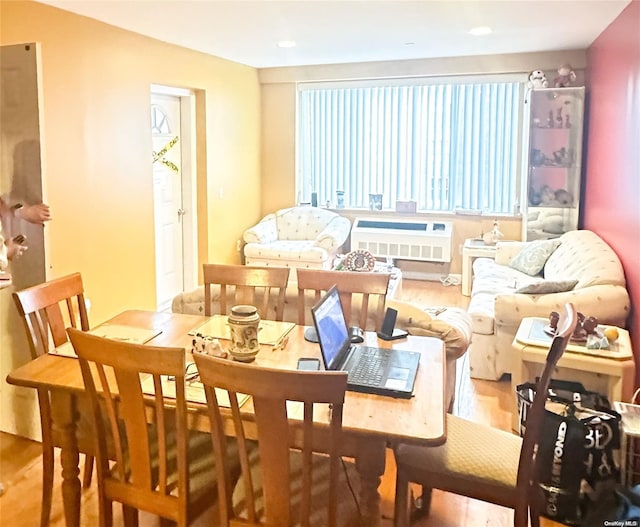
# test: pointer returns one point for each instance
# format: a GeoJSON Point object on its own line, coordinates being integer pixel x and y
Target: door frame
{"type": "Point", "coordinates": [189, 180]}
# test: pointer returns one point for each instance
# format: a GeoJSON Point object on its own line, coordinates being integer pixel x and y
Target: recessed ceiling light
{"type": "Point", "coordinates": [286, 44]}
{"type": "Point", "coordinates": [480, 31]}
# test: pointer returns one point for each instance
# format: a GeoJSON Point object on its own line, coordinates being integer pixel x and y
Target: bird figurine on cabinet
{"type": "Point", "coordinates": [494, 235]}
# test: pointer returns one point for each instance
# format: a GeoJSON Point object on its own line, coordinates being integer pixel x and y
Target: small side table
{"type": "Point", "coordinates": [472, 249]}
{"type": "Point", "coordinates": [610, 372]}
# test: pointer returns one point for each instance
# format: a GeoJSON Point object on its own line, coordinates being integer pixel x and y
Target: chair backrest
{"type": "Point", "coordinates": [527, 494]}
{"type": "Point", "coordinates": [241, 283]}
{"type": "Point", "coordinates": [147, 440]}
{"type": "Point", "coordinates": [364, 287]}
{"type": "Point", "coordinates": [47, 309]}
{"type": "Point", "coordinates": [272, 391]}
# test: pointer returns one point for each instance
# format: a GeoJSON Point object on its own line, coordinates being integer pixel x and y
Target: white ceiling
{"type": "Point", "coordinates": [333, 32]}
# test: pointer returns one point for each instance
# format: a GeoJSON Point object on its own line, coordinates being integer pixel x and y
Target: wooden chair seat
{"type": "Point", "coordinates": [278, 487]}
{"type": "Point", "coordinates": [200, 468]}
{"type": "Point", "coordinates": [346, 507]}
{"type": "Point", "coordinates": [464, 465]}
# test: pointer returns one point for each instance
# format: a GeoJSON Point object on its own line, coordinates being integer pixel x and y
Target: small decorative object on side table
{"type": "Point", "coordinates": [473, 248]}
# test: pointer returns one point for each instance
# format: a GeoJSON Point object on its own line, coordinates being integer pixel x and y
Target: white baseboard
{"type": "Point", "coordinates": [430, 277]}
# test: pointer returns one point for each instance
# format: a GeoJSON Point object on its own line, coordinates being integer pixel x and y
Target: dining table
{"type": "Point", "coordinates": [371, 423]}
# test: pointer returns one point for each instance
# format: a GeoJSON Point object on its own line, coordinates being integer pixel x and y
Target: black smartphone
{"type": "Point", "coordinates": [308, 364]}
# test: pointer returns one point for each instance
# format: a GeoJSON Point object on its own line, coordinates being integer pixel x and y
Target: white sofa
{"type": "Point", "coordinates": [308, 237]}
{"type": "Point", "coordinates": [496, 309]}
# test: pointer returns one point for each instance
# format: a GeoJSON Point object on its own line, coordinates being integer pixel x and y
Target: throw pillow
{"type": "Point", "coordinates": [547, 286]}
{"type": "Point", "coordinates": [532, 258]}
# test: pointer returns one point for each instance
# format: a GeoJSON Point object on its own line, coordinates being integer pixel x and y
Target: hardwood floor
{"type": "Point", "coordinates": [482, 401]}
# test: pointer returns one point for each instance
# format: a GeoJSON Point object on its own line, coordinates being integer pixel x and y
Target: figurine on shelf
{"type": "Point", "coordinates": [564, 197]}
{"type": "Point", "coordinates": [537, 79]}
{"type": "Point", "coordinates": [566, 76]}
{"type": "Point", "coordinates": [567, 121]}
{"type": "Point", "coordinates": [550, 119]}
{"type": "Point", "coordinates": [560, 157]}
{"type": "Point", "coordinates": [537, 158]}
{"type": "Point", "coordinates": [559, 119]}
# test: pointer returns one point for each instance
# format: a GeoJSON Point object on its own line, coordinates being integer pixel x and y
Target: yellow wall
{"type": "Point", "coordinates": [97, 149]}
{"type": "Point", "coordinates": [278, 86]}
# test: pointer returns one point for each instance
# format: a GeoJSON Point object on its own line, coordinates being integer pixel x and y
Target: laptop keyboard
{"type": "Point", "coordinates": [370, 368]}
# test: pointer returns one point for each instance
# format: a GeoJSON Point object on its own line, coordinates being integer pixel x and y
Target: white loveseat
{"type": "Point", "coordinates": [308, 237]}
{"type": "Point", "coordinates": [496, 309]}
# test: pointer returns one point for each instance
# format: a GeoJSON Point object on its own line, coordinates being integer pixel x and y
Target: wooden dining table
{"type": "Point", "coordinates": [371, 423]}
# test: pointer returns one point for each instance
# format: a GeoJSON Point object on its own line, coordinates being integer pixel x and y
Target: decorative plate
{"type": "Point", "coordinates": [359, 260]}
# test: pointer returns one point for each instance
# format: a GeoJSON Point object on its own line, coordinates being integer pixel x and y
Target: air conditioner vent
{"type": "Point", "coordinates": [428, 241]}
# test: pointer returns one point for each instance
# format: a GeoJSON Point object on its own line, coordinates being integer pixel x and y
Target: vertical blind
{"type": "Point", "coordinates": [445, 146]}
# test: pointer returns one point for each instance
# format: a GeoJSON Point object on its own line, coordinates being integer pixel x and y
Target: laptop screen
{"type": "Point", "coordinates": [331, 327]}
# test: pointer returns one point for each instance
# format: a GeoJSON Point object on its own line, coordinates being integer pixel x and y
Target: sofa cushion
{"type": "Point", "coordinates": [547, 286]}
{"type": "Point", "coordinates": [532, 258]}
{"type": "Point", "coordinates": [492, 278]}
{"type": "Point", "coordinates": [302, 223]}
{"type": "Point", "coordinates": [482, 310]}
{"type": "Point", "coordinates": [303, 251]}
{"type": "Point", "coordinates": [587, 257]}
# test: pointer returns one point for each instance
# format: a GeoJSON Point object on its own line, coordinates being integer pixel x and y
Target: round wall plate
{"type": "Point", "coordinates": [359, 260]}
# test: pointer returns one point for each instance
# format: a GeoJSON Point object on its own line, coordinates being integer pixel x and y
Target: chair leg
{"type": "Point", "coordinates": [401, 507]}
{"type": "Point", "coordinates": [47, 482]}
{"type": "Point", "coordinates": [105, 511]}
{"type": "Point", "coordinates": [88, 471]}
{"type": "Point", "coordinates": [130, 516]}
{"type": "Point", "coordinates": [47, 456]}
{"type": "Point", "coordinates": [422, 504]}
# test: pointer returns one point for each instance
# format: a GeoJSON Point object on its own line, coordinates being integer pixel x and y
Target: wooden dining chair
{"type": "Point", "coordinates": [482, 462]}
{"type": "Point", "coordinates": [241, 283]}
{"type": "Point", "coordinates": [159, 466]}
{"type": "Point", "coordinates": [46, 310]}
{"type": "Point", "coordinates": [367, 288]}
{"type": "Point", "coordinates": [279, 486]}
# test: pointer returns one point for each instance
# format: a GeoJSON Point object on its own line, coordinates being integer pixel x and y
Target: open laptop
{"type": "Point", "coordinates": [371, 370]}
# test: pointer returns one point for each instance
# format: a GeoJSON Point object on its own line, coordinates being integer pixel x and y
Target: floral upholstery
{"type": "Point", "coordinates": [496, 308]}
{"type": "Point", "coordinates": [297, 237]}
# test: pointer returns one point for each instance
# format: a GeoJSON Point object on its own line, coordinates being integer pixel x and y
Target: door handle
{"type": "Point", "coordinates": [181, 212]}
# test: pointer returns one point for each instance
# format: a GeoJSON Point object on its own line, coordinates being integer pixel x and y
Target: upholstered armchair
{"type": "Point", "coordinates": [305, 236]}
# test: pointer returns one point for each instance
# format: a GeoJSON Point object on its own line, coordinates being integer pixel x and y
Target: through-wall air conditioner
{"type": "Point", "coordinates": [427, 241]}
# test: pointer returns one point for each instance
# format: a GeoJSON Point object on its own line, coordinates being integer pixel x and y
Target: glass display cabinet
{"type": "Point", "coordinates": [554, 167]}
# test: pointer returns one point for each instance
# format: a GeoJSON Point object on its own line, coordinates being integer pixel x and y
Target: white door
{"type": "Point", "coordinates": [167, 197]}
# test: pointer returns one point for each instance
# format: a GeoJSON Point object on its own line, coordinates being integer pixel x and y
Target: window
{"type": "Point", "coordinates": [447, 146]}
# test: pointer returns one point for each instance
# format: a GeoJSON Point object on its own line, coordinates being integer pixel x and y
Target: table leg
{"type": "Point", "coordinates": [370, 463]}
{"type": "Point", "coordinates": [64, 417]}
